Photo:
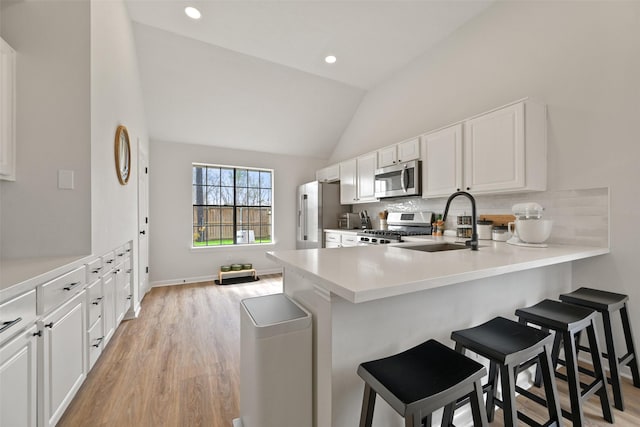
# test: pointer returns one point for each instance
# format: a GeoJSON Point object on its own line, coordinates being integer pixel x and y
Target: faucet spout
{"type": "Point", "coordinates": [473, 243]}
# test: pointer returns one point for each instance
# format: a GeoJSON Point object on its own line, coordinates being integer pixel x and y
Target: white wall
{"type": "Point", "coordinates": [116, 98]}
{"type": "Point", "coordinates": [171, 215]}
{"type": "Point", "coordinates": [583, 60]}
{"type": "Point", "coordinates": [52, 41]}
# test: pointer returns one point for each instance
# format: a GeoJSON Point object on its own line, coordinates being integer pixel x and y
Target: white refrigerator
{"type": "Point", "coordinates": [318, 208]}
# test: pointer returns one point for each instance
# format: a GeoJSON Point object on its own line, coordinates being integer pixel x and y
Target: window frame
{"type": "Point", "coordinates": [238, 223]}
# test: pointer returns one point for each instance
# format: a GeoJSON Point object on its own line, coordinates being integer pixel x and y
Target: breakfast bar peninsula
{"type": "Point", "coordinates": [374, 301]}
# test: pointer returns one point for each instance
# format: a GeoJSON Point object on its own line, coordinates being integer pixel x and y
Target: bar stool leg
{"type": "Point", "coordinates": [491, 393]}
{"type": "Point", "coordinates": [550, 389]}
{"type": "Point", "coordinates": [508, 382]}
{"type": "Point", "coordinates": [577, 415]}
{"type": "Point", "coordinates": [477, 410]}
{"type": "Point", "coordinates": [414, 420]}
{"type": "Point", "coordinates": [618, 400]}
{"type": "Point", "coordinates": [628, 337]}
{"type": "Point", "coordinates": [596, 357]}
{"type": "Point", "coordinates": [368, 404]}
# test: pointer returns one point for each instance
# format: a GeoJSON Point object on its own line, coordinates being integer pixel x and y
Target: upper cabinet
{"type": "Point", "coordinates": [504, 150]}
{"type": "Point", "coordinates": [329, 174]}
{"type": "Point", "coordinates": [398, 153]}
{"type": "Point", "coordinates": [7, 111]}
{"type": "Point", "coordinates": [357, 179]}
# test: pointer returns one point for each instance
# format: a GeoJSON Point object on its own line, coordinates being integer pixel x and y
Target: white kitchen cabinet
{"type": "Point", "coordinates": [329, 174]}
{"type": "Point", "coordinates": [18, 379]}
{"type": "Point", "coordinates": [108, 306]}
{"type": "Point", "coordinates": [357, 179]}
{"type": "Point", "coordinates": [63, 357]}
{"type": "Point", "coordinates": [504, 150]}
{"type": "Point", "coordinates": [398, 153]}
{"type": "Point", "coordinates": [7, 112]}
{"type": "Point", "coordinates": [340, 239]}
{"type": "Point", "coordinates": [442, 162]}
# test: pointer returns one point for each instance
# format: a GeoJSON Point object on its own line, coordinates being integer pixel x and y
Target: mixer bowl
{"type": "Point", "coordinates": [533, 230]}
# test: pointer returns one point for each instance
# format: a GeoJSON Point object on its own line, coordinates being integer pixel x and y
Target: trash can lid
{"type": "Point", "coordinates": [273, 309]}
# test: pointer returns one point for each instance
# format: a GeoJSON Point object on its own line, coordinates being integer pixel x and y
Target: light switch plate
{"type": "Point", "coordinates": [65, 180]}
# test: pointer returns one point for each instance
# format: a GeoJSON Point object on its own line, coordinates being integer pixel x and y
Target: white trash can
{"type": "Point", "coordinates": [275, 363]}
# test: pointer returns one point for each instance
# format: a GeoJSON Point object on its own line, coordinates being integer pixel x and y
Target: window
{"type": "Point", "coordinates": [231, 205]}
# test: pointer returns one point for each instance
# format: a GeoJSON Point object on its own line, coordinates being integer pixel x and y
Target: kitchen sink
{"type": "Point", "coordinates": [436, 247]}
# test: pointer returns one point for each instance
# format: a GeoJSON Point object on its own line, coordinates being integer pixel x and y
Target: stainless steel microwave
{"type": "Point", "coordinates": [398, 180]}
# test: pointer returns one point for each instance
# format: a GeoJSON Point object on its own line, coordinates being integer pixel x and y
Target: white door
{"type": "Point", "coordinates": [143, 224]}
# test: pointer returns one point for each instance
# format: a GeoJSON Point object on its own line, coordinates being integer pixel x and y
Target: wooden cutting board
{"type": "Point", "coordinates": [499, 219]}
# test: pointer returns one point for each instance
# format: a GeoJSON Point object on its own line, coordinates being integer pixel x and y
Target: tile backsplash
{"type": "Point", "coordinates": [580, 217]}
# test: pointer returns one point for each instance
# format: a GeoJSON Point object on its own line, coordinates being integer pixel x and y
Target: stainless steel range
{"type": "Point", "coordinates": [400, 224]}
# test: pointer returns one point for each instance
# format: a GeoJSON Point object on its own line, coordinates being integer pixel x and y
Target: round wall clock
{"type": "Point", "coordinates": [123, 154]}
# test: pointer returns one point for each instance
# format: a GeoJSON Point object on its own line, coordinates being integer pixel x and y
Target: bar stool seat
{"type": "Point", "coordinates": [421, 380]}
{"type": "Point", "coordinates": [607, 303]}
{"type": "Point", "coordinates": [510, 346]}
{"type": "Point", "coordinates": [568, 320]}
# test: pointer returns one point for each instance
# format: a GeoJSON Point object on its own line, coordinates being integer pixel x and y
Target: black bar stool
{"type": "Point", "coordinates": [568, 320]}
{"type": "Point", "coordinates": [607, 303]}
{"type": "Point", "coordinates": [420, 380]}
{"type": "Point", "coordinates": [510, 347]}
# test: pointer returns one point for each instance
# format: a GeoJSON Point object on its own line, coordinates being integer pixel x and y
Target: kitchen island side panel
{"type": "Point", "coordinates": [354, 333]}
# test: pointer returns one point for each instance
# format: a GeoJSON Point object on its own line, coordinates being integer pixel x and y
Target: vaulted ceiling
{"type": "Point", "coordinates": [251, 74]}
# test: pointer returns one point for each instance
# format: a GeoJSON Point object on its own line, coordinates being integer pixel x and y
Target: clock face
{"type": "Point", "coordinates": [123, 154]}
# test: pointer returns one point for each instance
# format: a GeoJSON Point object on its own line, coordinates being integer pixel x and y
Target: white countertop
{"type": "Point", "coordinates": [22, 274]}
{"type": "Point", "coordinates": [341, 230]}
{"type": "Point", "coordinates": [366, 273]}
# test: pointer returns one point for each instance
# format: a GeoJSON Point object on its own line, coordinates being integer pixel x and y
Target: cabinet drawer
{"type": "Point", "coordinates": [61, 289]}
{"type": "Point", "coordinates": [108, 261]}
{"type": "Point", "coordinates": [95, 298]}
{"type": "Point", "coordinates": [349, 240]}
{"type": "Point", "coordinates": [94, 270]}
{"type": "Point", "coordinates": [17, 313]}
{"type": "Point", "coordinates": [95, 342]}
{"type": "Point", "coordinates": [122, 253]}
{"type": "Point", "coordinates": [332, 237]}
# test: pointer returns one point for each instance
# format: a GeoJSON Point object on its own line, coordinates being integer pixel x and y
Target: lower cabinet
{"type": "Point", "coordinates": [109, 311]}
{"type": "Point", "coordinates": [64, 364]}
{"type": "Point", "coordinates": [18, 380]}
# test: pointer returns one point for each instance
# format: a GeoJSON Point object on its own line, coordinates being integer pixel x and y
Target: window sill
{"type": "Point", "coordinates": [239, 246]}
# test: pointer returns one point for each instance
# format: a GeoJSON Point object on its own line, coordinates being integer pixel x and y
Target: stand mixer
{"type": "Point", "coordinates": [529, 228]}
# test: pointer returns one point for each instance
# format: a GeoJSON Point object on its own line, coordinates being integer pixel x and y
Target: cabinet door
{"type": "Point", "coordinates": [109, 306]}
{"type": "Point", "coordinates": [366, 169]}
{"type": "Point", "coordinates": [328, 174]}
{"type": "Point", "coordinates": [64, 357]}
{"type": "Point", "coordinates": [442, 162]}
{"type": "Point", "coordinates": [18, 375]}
{"type": "Point", "coordinates": [494, 150]}
{"type": "Point", "coordinates": [387, 156]}
{"type": "Point", "coordinates": [409, 150]}
{"type": "Point", "coordinates": [348, 182]}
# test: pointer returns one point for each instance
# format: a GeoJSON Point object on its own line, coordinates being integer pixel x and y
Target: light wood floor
{"type": "Point", "coordinates": [177, 365]}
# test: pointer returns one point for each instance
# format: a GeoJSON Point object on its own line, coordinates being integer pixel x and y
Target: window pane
{"type": "Point", "coordinates": [253, 196]}
{"type": "Point", "coordinates": [213, 176]}
{"type": "Point", "coordinates": [198, 195]}
{"type": "Point", "coordinates": [226, 177]}
{"type": "Point", "coordinates": [265, 197]}
{"type": "Point", "coordinates": [241, 177]}
{"type": "Point", "coordinates": [265, 179]}
{"type": "Point", "coordinates": [241, 196]}
{"type": "Point", "coordinates": [254, 179]}
{"type": "Point", "coordinates": [213, 195]}
{"type": "Point", "coordinates": [226, 196]}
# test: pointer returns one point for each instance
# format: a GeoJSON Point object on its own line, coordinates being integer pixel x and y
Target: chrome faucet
{"type": "Point", "coordinates": [473, 243]}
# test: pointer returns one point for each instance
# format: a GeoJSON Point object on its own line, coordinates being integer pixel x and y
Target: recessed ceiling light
{"type": "Point", "coordinates": [330, 59]}
{"type": "Point", "coordinates": [192, 12]}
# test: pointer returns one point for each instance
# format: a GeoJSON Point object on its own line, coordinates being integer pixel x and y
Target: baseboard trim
{"type": "Point", "coordinates": [189, 280]}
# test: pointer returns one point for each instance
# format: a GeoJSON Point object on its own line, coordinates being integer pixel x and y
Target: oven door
{"type": "Point", "coordinates": [398, 180]}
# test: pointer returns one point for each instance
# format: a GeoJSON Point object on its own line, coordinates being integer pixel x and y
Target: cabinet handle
{"type": "Point", "coordinates": [49, 325]}
{"type": "Point", "coordinates": [128, 250]}
{"type": "Point", "coordinates": [97, 270]}
{"type": "Point", "coordinates": [121, 254]}
{"type": "Point", "coordinates": [143, 232]}
{"type": "Point", "coordinates": [7, 325]}
{"type": "Point", "coordinates": [129, 297]}
{"type": "Point", "coordinates": [116, 271]}
{"type": "Point", "coordinates": [98, 342]}
{"type": "Point", "coordinates": [97, 301]}
{"type": "Point", "coordinates": [110, 261]}
{"type": "Point", "coordinates": [129, 271]}
{"type": "Point", "coordinates": [71, 286]}
{"type": "Point", "coordinates": [37, 334]}
{"type": "Point", "coordinates": [468, 188]}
